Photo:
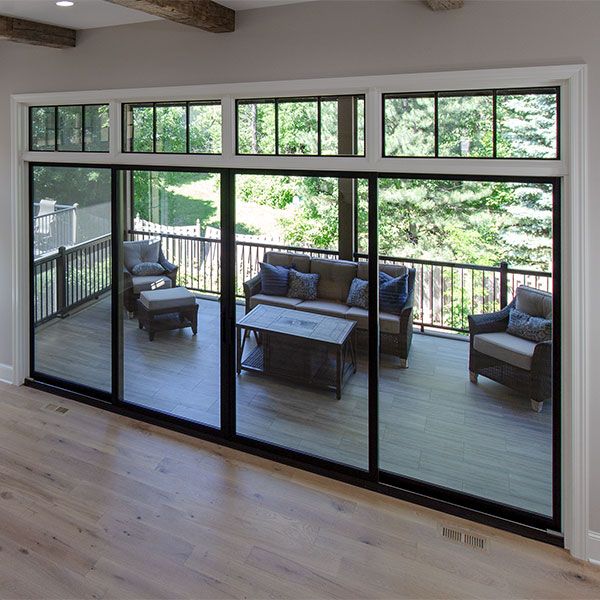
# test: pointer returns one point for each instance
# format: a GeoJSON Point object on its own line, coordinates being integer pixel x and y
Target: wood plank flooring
{"type": "Point", "coordinates": [435, 425]}
{"type": "Point", "coordinates": [94, 505]}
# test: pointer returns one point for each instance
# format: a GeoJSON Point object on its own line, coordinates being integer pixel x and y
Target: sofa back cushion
{"type": "Point", "coordinates": [141, 251]}
{"type": "Point", "coordinates": [335, 277]}
{"type": "Point", "coordinates": [391, 270]}
{"type": "Point", "coordinates": [300, 262]}
{"type": "Point", "coordinates": [533, 302]}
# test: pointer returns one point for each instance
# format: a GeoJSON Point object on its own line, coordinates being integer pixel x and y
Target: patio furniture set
{"type": "Point", "coordinates": [313, 339]}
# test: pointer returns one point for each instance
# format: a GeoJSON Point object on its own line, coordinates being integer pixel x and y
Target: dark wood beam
{"type": "Point", "coordinates": [445, 4]}
{"type": "Point", "coordinates": [38, 34]}
{"type": "Point", "coordinates": [204, 14]}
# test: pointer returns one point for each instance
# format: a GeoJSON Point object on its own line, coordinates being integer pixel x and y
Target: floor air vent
{"type": "Point", "coordinates": [464, 538]}
{"type": "Point", "coordinates": [59, 409]}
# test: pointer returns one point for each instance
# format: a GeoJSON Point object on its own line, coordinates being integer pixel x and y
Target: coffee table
{"type": "Point", "coordinates": [305, 347]}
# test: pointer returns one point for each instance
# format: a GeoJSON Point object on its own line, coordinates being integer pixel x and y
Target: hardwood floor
{"type": "Point", "coordinates": [435, 425]}
{"type": "Point", "coordinates": [94, 505]}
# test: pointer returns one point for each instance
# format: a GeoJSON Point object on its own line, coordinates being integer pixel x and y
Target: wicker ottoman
{"type": "Point", "coordinates": [167, 309]}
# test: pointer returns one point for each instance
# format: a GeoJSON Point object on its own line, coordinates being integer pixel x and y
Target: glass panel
{"type": "Point", "coordinates": [410, 126]}
{"type": "Point", "coordinates": [205, 128]}
{"type": "Point", "coordinates": [141, 121]}
{"type": "Point", "coordinates": [302, 378]}
{"type": "Point", "coordinates": [171, 129]}
{"type": "Point", "coordinates": [465, 125]}
{"type": "Point", "coordinates": [69, 128]}
{"type": "Point", "coordinates": [329, 127]}
{"type": "Point", "coordinates": [527, 125]}
{"type": "Point", "coordinates": [43, 128]}
{"type": "Point", "coordinates": [256, 127]}
{"type": "Point", "coordinates": [460, 416]}
{"type": "Point", "coordinates": [360, 126]}
{"type": "Point", "coordinates": [72, 274]}
{"type": "Point", "coordinates": [298, 127]}
{"type": "Point", "coordinates": [171, 335]}
{"type": "Point", "coordinates": [96, 128]}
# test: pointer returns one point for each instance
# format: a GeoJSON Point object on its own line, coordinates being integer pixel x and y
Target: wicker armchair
{"type": "Point", "coordinates": [519, 364]}
{"type": "Point", "coordinates": [133, 285]}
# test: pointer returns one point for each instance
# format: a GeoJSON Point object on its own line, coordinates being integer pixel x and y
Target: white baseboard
{"type": "Point", "coordinates": [593, 547]}
{"type": "Point", "coordinates": [6, 373]}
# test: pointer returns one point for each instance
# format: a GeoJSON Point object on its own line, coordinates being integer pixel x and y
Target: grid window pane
{"type": "Point", "coordinates": [43, 128]}
{"type": "Point", "coordinates": [465, 126]}
{"type": "Point", "coordinates": [410, 126]}
{"type": "Point", "coordinates": [527, 125]}
{"type": "Point", "coordinates": [142, 128]}
{"type": "Point", "coordinates": [256, 128]}
{"type": "Point", "coordinates": [298, 128]}
{"type": "Point", "coordinates": [205, 128]}
{"type": "Point", "coordinates": [96, 128]}
{"type": "Point", "coordinates": [171, 129]}
{"type": "Point", "coordinates": [69, 128]}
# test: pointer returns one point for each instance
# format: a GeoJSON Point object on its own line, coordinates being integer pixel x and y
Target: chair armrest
{"type": "Point", "coordinates": [542, 357]}
{"type": "Point", "coordinates": [489, 322]}
{"type": "Point", "coordinates": [165, 264]}
{"type": "Point", "coordinates": [127, 281]}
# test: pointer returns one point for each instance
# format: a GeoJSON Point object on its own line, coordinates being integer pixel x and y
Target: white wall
{"type": "Point", "coordinates": [324, 39]}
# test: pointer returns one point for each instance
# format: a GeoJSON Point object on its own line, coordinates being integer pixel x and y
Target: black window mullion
{"type": "Point", "coordinates": [55, 128]}
{"type": "Point", "coordinates": [187, 127]}
{"type": "Point", "coordinates": [276, 127]}
{"type": "Point", "coordinates": [319, 125]}
{"type": "Point", "coordinates": [83, 127]}
{"type": "Point", "coordinates": [495, 124]}
{"type": "Point", "coordinates": [436, 128]}
{"type": "Point", "coordinates": [154, 127]}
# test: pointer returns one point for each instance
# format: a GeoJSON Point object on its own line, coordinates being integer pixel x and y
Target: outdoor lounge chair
{"type": "Point", "coordinates": [144, 251]}
{"type": "Point", "coordinates": [518, 363]}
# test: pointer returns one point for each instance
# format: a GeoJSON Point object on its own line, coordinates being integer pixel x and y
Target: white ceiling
{"type": "Point", "coordinates": [88, 14]}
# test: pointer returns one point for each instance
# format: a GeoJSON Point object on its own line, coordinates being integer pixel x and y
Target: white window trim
{"type": "Point", "coordinates": [572, 166]}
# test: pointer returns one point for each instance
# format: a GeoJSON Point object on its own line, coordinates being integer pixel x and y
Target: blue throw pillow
{"type": "Point", "coordinates": [303, 285]}
{"type": "Point", "coordinates": [358, 295]}
{"type": "Point", "coordinates": [393, 293]}
{"type": "Point", "coordinates": [535, 329]}
{"type": "Point", "coordinates": [274, 279]}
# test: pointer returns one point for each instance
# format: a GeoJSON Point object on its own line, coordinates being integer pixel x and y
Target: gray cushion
{"type": "Point", "coordinates": [149, 282]}
{"type": "Point", "coordinates": [303, 285]}
{"type": "Point", "coordinates": [335, 277]}
{"type": "Point", "coordinates": [282, 301]}
{"type": "Point", "coordinates": [534, 302]}
{"type": "Point", "coordinates": [164, 299]}
{"type": "Point", "coordinates": [324, 307]}
{"type": "Point", "coordinates": [388, 323]}
{"type": "Point", "coordinates": [141, 251]}
{"type": "Point", "coordinates": [359, 294]}
{"type": "Point", "coordinates": [300, 262]}
{"type": "Point", "coordinates": [505, 347]}
{"type": "Point", "coordinates": [147, 268]}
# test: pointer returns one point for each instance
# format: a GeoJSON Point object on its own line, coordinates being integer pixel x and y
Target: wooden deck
{"type": "Point", "coordinates": [435, 425]}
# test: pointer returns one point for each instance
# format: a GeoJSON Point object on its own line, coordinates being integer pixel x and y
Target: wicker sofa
{"type": "Point", "coordinates": [334, 284]}
{"type": "Point", "coordinates": [520, 364]}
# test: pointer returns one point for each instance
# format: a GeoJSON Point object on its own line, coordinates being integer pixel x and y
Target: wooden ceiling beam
{"type": "Point", "coordinates": [445, 4]}
{"type": "Point", "coordinates": [204, 14]}
{"type": "Point", "coordinates": [38, 34]}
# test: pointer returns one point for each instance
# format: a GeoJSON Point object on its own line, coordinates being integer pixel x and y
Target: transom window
{"type": "Point", "coordinates": [508, 123]}
{"type": "Point", "coordinates": [306, 126]}
{"type": "Point", "coordinates": [172, 127]}
{"type": "Point", "coordinates": [77, 128]}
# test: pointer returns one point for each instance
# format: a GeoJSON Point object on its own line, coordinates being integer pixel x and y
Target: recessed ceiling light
{"type": "Point", "coordinates": [65, 3]}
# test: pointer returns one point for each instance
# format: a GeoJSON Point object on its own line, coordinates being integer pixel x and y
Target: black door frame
{"type": "Point", "coordinates": [447, 500]}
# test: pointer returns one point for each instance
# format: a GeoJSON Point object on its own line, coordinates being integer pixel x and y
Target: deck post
{"type": "Point", "coordinates": [61, 282]}
{"type": "Point", "coordinates": [503, 284]}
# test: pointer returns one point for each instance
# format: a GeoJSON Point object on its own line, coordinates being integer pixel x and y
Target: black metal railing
{"type": "Point", "coordinates": [70, 277]}
{"type": "Point", "coordinates": [445, 292]}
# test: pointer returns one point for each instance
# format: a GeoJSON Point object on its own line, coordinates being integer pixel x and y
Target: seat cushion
{"type": "Point", "coordinates": [505, 347]}
{"type": "Point", "coordinates": [536, 303]}
{"type": "Point", "coordinates": [166, 298]}
{"type": "Point", "coordinates": [141, 251]}
{"type": "Point", "coordinates": [330, 308]}
{"type": "Point", "coordinates": [300, 262]}
{"type": "Point", "coordinates": [281, 301]}
{"type": "Point", "coordinates": [388, 323]}
{"type": "Point", "coordinates": [335, 277]}
{"type": "Point", "coordinates": [149, 282]}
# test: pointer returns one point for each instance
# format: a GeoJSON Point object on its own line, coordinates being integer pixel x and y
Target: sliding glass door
{"type": "Point", "coordinates": [169, 295]}
{"type": "Point", "coordinates": [71, 276]}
